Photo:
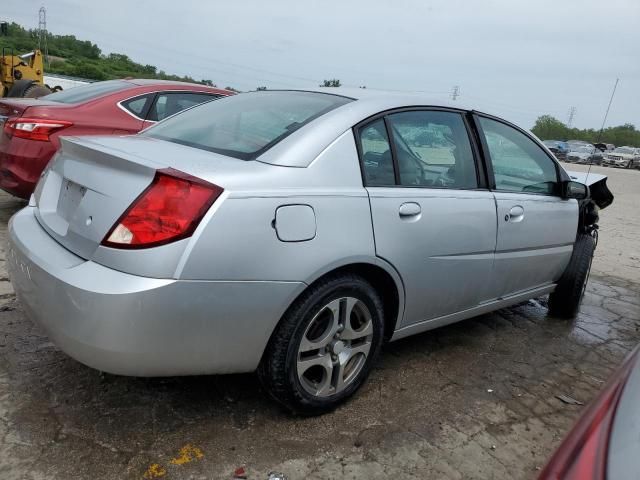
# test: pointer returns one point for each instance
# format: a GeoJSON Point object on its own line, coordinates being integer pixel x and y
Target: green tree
{"type": "Point", "coordinates": [550, 128]}
{"type": "Point", "coordinates": [334, 82]}
{"type": "Point", "coordinates": [81, 58]}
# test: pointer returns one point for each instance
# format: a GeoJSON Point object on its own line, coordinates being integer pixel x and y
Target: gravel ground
{"type": "Point", "coordinates": [473, 400]}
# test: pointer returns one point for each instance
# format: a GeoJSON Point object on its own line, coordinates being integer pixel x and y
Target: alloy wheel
{"type": "Point", "coordinates": [334, 347]}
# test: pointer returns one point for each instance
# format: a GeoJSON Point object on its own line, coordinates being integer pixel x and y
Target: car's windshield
{"type": "Point", "coordinates": [85, 93]}
{"type": "Point", "coordinates": [623, 150]}
{"type": "Point", "coordinates": [245, 126]}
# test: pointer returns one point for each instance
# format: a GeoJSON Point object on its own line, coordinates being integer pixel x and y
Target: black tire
{"type": "Point", "coordinates": [19, 87]}
{"type": "Point", "coordinates": [36, 91]}
{"type": "Point", "coordinates": [278, 368]}
{"type": "Point", "coordinates": [564, 302]}
{"type": "Point", "coordinates": [628, 164]}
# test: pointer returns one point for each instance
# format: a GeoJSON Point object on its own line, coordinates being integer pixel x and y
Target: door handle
{"type": "Point", "coordinates": [409, 210]}
{"type": "Point", "coordinates": [515, 215]}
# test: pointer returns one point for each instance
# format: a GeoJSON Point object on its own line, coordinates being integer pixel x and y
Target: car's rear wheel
{"type": "Point", "coordinates": [565, 300]}
{"type": "Point", "coordinates": [325, 345]}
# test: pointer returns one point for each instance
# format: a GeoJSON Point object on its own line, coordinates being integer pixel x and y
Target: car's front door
{"type": "Point", "coordinates": [432, 218]}
{"type": "Point", "coordinates": [536, 227]}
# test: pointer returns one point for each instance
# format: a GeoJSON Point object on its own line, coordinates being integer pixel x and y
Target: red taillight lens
{"type": "Point", "coordinates": [169, 209]}
{"type": "Point", "coordinates": [34, 128]}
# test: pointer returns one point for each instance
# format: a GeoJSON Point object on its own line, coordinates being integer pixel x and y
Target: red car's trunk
{"type": "Point", "coordinates": [13, 107]}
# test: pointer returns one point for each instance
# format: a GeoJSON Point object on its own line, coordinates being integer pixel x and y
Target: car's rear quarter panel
{"type": "Point", "coordinates": [240, 241]}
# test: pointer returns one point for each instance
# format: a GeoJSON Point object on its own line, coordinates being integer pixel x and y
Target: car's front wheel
{"type": "Point", "coordinates": [325, 345]}
{"type": "Point", "coordinates": [565, 299]}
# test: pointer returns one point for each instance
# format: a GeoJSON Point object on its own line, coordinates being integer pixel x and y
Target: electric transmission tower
{"type": "Point", "coordinates": [455, 93]}
{"type": "Point", "coordinates": [572, 114]}
{"type": "Point", "coordinates": [42, 33]}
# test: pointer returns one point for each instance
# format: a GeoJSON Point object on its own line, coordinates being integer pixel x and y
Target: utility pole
{"type": "Point", "coordinates": [42, 33]}
{"type": "Point", "coordinates": [455, 93]}
{"type": "Point", "coordinates": [572, 114]}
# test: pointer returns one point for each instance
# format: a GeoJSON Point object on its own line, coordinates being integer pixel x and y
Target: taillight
{"type": "Point", "coordinates": [583, 453]}
{"type": "Point", "coordinates": [169, 209]}
{"type": "Point", "coordinates": [34, 128]}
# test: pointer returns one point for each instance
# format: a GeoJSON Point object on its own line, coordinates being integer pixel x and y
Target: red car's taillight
{"type": "Point", "coordinates": [583, 453]}
{"type": "Point", "coordinates": [34, 128]}
{"type": "Point", "coordinates": [169, 209]}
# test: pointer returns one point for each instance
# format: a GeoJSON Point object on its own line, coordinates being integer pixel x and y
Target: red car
{"type": "Point", "coordinates": [605, 442]}
{"type": "Point", "coordinates": [31, 128]}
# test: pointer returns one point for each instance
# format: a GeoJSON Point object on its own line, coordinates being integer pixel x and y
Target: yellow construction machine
{"type": "Point", "coordinates": [22, 75]}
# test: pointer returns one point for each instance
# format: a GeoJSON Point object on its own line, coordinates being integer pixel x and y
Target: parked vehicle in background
{"type": "Point", "coordinates": [293, 232]}
{"type": "Point", "coordinates": [605, 442]}
{"type": "Point", "coordinates": [624, 157]}
{"type": "Point", "coordinates": [604, 147]}
{"type": "Point", "coordinates": [559, 148]}
{"type": "Point", "coordinates": [31, 128]}
{"type": "Point", "coordinates": [584, 153]}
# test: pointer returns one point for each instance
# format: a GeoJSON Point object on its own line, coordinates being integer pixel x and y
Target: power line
{"type": "Point", "coordinates": [455, 93]}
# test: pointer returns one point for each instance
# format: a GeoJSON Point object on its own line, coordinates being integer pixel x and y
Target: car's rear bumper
{"type": "Point", "coordinates": [21, 163]}
{"type": "Point", "coordinates": [130, 325]}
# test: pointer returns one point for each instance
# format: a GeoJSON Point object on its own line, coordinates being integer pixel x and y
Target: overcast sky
{"type": "Point", "coordinates": [516, 58]}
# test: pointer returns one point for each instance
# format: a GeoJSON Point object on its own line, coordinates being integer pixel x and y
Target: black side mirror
{"type": "Point", "coordinates": [576, 190]}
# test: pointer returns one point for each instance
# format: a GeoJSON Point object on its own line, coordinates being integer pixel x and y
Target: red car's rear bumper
{"type": "Point", "coordinates": [21, 163]}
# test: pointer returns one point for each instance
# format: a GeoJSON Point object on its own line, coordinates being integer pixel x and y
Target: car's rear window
{"type": "Point", "coordinates": [84, 93]}
{"type": "Point", "coordinates": [245, 126]}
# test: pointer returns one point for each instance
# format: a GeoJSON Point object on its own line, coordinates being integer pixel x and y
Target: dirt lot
{"type": "Point", "coordinates": [473, 400]}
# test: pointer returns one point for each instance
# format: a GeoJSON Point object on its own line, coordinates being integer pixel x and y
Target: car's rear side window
{"type": "Point", "coordinates": [428, 148]}
{"type": "Point", "coordinates": [376, 155]}
{"type": "Point", "coordinates": [170, 103]}
{"type": "Point", "coordinates": [84, 93]}
{"type": "Point", "coordinates": [245, 126]}
{"type": "Point", "coordinates": [138, 105]}
{"type": "Point", "coordinates": [433, 149]}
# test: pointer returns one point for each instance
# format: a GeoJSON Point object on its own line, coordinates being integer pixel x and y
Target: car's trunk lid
{"type": "Point", "coordinates": [86, 190]}
{"type": "Point", "coordinates": [13, 107]}
{"type": "Point", "coordinates": [92, 181]}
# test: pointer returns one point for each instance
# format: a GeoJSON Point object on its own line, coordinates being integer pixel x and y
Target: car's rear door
{"type": "Point", "coordinates": [536, 227]}
{"type": "Point", "coordinates": [433, 218]}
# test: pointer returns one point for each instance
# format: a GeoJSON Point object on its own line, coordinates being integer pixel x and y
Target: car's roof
{"type": "Point", "coordinates": [306, 143]}
{"type": "Point", "coordinates": [403, 98]}
{"type": "Point", "coordinates": [153, 81]}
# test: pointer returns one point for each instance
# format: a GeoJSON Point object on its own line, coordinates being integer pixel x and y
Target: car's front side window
{"type": "Point", "coordinates": [519, 164]}
{"type": "Point", "coordinates": [433, 149]}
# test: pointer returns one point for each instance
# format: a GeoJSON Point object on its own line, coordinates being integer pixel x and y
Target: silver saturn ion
{"type": "Point", "coordinates": [292, 233]}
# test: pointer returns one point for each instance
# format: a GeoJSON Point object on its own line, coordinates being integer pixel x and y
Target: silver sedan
{"type": "Point", "coordinates": [293, 233]}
